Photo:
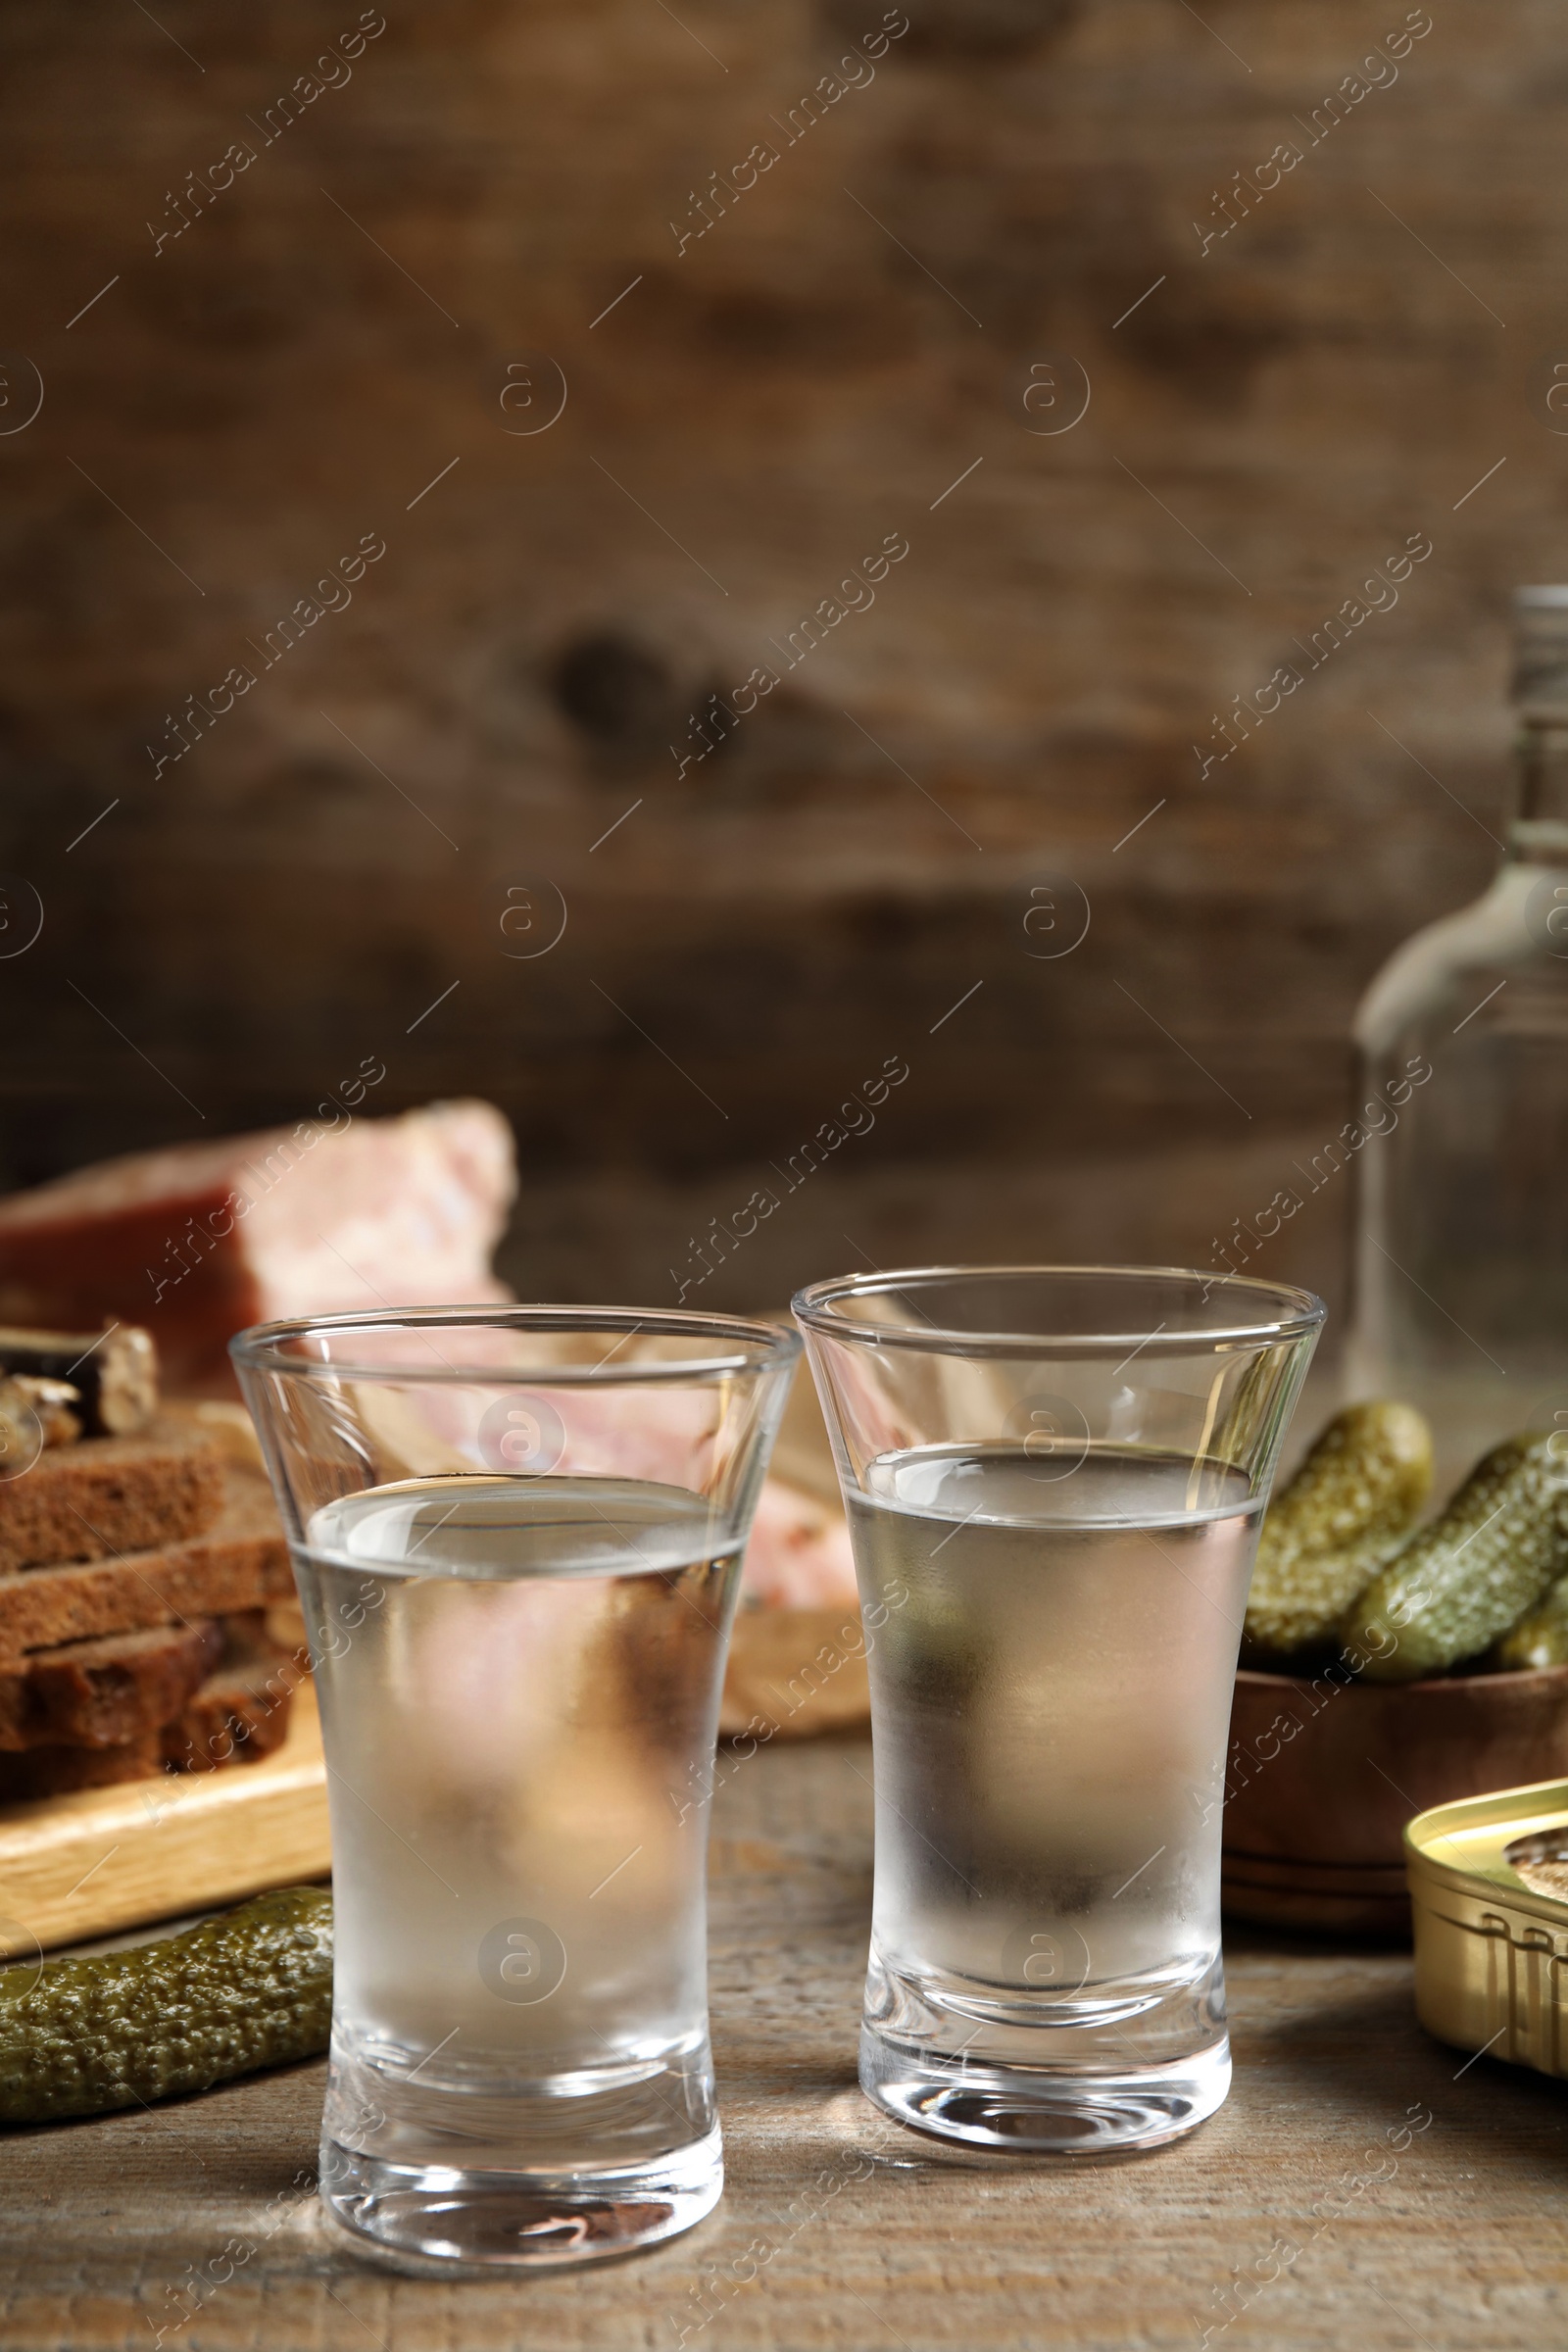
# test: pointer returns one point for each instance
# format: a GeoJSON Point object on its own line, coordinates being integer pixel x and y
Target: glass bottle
{"type": "Point", "coordinates": [1460, 1140]}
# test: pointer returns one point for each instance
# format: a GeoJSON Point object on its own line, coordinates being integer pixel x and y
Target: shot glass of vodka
{"type": "Point", "coordinates": [517, 1536]}
{"type": "Point", "coordinates": [1054, 1478]}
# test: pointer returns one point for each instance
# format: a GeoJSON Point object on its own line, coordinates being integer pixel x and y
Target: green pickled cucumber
{"type": "Point", "coordinates": [1538, 1639]}
{"type": "Point", "coordinates": [250, 1989]}
{"type": "Point", "coordinates": [1497, 1550]}
{"type": "Point", "coordinates": [1347, 1510]}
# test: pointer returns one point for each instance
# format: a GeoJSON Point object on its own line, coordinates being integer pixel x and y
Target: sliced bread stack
{"type": "Point", "coordinates": [137, 1567]}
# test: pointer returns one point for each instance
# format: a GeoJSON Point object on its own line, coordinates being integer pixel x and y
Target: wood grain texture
{"type": "Point", "coordinates": [80, 1866]}
{"type": "Point", "coordinates": [864, 2238]}
{"type": "Point", "coordinates": [296, 368]}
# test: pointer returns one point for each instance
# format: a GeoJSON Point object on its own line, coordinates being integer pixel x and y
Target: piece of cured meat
{"type": "Point", "coordinates": [200, 1240]}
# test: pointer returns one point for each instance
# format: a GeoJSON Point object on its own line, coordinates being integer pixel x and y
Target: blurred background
{"type": "Point", "coordinates": [619, 346]}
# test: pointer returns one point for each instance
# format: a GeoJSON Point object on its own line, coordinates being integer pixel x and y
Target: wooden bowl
{"type": "Point", "coordinates": [1324, 1773]}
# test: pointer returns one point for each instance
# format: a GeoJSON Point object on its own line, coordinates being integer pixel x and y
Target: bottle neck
{"type": "Point", "coordinates": [1537, 827]}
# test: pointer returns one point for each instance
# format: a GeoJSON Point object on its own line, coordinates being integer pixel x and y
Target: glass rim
{"type": "Point", "coordinates": [753, 1346]}
{"type": "Point", "coordinates": [816, 1308]}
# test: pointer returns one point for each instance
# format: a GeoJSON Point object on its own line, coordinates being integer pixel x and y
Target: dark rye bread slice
{"type": "Point", "coordinates": [242, 1562]}
{"type": "Point", "coordinates": [241, 1712]}
{"type": "Point", "coordinates": [104, 1692]}
{"type": "Point", "coordinates": [108, 1495]}
{"type": "Point", "coordinates": [238, 1715]}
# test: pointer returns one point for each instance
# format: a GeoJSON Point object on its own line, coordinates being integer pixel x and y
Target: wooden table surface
{"type": "Point", "coordinates": [1317, 2209]}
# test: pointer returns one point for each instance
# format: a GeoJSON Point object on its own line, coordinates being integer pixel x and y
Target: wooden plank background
{"type": "Point", "coordinates": [318, 355]}
{"type": "Point", "coordinates": [1422, 2194]}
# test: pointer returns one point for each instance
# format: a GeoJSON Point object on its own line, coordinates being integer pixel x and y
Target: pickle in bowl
{"type": "Point", "coordinates": [1493, 1553]}
{"type": "Point", "coordinates": [1540, 1637]}
{"type": "Point", "coordinates": [1350, 1505]}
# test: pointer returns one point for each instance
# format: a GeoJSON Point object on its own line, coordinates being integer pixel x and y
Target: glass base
{"type": "Point", "coordinates": [443, 2219]}
{"type": "Point", "coordinates": [1039, 2110]}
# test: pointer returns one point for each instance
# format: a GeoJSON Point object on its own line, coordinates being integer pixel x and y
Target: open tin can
{"type": "Point", "coordinates": [1489, 1891]}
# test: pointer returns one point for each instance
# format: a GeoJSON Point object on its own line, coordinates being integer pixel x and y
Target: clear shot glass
{"type": "Point", "coordinates": [517, 1535]}
{"type": "Point", "coordinates": [1054, 1478]}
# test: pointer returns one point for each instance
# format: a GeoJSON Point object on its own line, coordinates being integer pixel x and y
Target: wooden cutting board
{"type": "Point", "coordinates": [100, 1859]}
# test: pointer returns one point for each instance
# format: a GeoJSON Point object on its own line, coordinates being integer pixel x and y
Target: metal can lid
{"type": "Point", "coordinates": [1512, 1844]}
